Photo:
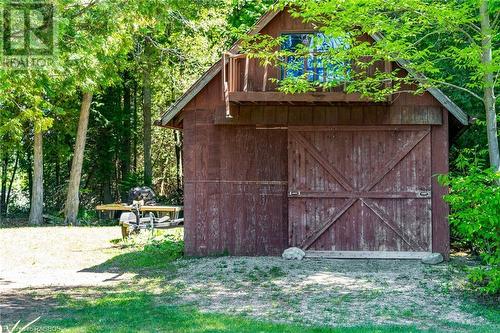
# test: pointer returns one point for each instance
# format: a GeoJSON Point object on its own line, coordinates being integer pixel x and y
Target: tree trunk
{"type": "Point", "coordinates": [163, 183]}
{"type": "Point", "coordinates": [135, 139]}
{"type": "Point", "coordinates": [126, 142]}
{"type": "Point", "coordinates": [3, 187]}
{"type": "Point", "coordinates": [58, 165]}
{"type": "Point", "coordinates": [489, 88]}
{"type": "Point", "coordinates": [11, 182]}
{"type": "Point", "coordinates": [73, 198]}
{"type": "Point", "coordinates": [29, 162]}
{"type": "Point", "coordinates": [127, 114]}
{"type": "Point", "coordinates": [107, 196]}
{"type": "Point", "coordinates": [146, 111]}
{"type": "Point", "coordinates": [36, 209]}
{"type": "Point", "coordinates": [178, 158]}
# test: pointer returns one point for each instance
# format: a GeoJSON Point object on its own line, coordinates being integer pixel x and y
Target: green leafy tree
{"type": "Point", "coordinates": [451, 44]}
{"type": "Point", "coordinates": [95, 42]}
{"type": "Point", "coordinates": [22, 104]}
{"type": "Point", "coordinates": [475, 217]}
{"type": "Point", "coordinates": [159, 25]}
{"type": "Point", "coordinates": [90, 106]}
{"type": "Point", "coordinates": [244, 13]}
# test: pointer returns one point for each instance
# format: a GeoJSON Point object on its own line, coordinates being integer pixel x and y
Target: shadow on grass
{"type": "Point", "coordinates": [115, 310]}
{"type": "Point", "coordinates": [155, 255]}
{"type": "Point", "coordinates": [142, 312]}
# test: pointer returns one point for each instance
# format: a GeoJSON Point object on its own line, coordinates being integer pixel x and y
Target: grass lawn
{"type": "Point", "coordinates": [163, 292]}
{"type": "Point", "coordinates": [137, 312]}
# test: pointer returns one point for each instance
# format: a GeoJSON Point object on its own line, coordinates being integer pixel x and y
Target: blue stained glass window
{"type": "Point", "coordinates": [316, 68]}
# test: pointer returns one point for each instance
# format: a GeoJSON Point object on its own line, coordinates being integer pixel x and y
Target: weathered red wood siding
{"type": "Point", "coordinates": [235, 183]}
{"type": "Point", "coordinates": [362, 188]}
{"type": "Point", "coordinates": [236, 198]}
{"type": "Point", "coordinates": [440, 210]}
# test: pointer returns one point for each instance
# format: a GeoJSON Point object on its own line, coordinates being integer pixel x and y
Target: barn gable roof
{"type": "Point", "coordinates": [177, 107]}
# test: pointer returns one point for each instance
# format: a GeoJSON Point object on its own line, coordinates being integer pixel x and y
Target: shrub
{"type": "Point", "coordinates": [475, 215]}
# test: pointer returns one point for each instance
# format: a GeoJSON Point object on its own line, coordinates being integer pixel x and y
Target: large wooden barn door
{"type": "Point", "coordinates": [360, 191]}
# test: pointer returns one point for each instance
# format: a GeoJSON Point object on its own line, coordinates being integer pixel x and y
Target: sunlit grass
{"type": "Point", "coordinates": [147, 251]}
{"type": "Point", "coordinates": [140, 312]}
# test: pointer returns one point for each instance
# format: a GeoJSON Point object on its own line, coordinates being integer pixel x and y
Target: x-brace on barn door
{"type": "Point", "coordinates": [360, 188]}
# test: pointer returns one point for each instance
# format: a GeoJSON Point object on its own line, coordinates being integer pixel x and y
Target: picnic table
{"type": "Point", "coordinates": [173, 211]}
{"type": "Point", "coordinates": [171, 216]}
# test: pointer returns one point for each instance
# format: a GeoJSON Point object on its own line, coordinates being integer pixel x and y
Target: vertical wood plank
{"type": "Point", "coordinates": [190, 218]}
{"type": "Point", "coordinates": [440, 210]}
{"type": "Point", "coordinates": [247, 64]}
{"type": "Point", "coordinates": [224, 76]}
{"type": "Point", "coordinates": [264, 78]}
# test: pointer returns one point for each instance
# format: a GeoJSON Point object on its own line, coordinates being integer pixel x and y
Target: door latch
{"type": "Point", "coordinates": [424, 194]}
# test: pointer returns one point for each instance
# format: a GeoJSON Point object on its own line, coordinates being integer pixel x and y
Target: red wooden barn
{"type": "Point", "coordinates": [329, 172]}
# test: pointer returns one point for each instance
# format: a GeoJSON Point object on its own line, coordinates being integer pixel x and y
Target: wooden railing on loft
{"type": "Point", "coordinates": [231, 76]}
{"type": "Point", "coordinates": [231, 72]}
{"type": "Point", "coordinates": [244, 80]}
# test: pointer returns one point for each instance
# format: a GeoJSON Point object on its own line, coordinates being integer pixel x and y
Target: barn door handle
{"type": "Point", "coordinates": [294, 193]}
{"type": "Point", "coordinates": [424, 194]}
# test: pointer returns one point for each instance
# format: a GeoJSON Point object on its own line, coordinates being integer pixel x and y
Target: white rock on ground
{"type": "Point", "coordinates": [293, 253]}
{"type": "Point", "coordinates": [433, 259]}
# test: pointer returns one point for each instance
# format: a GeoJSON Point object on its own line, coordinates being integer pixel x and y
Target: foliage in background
{"type": "Point", "coordinates": [475, 214]}
{"type": "Point", "coordinates": [244, 13]}
{"type": "Point", "coordinates": [102, 49]}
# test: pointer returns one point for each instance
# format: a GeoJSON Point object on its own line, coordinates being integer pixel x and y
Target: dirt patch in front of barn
{"type": "Point", "coordinates": [330, 292]}
{"type": "Point", "coordinates": [42, 268]}
{"type": "Point", "coordinates": [37, 263]}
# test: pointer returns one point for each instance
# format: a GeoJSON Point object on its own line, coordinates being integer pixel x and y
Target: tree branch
{"type": "Point", "coordinates": [451, 85]}
{"type": "Point", "coordinates": [83, 9]}
{"type": "Point", "coordinates": [425, 36]}
{"type": "Point", "coordinates": [399, 92]}
{"type": "Point", "coordinates": [495, 84]}
{"type": "Point", "coordinates": [468, 36]}
{"type": "Point", "coordinates": [173, 51]}
{"type": "Point", "coordinates": [474, 27]}
{"type": "Point", "coordinates": [496, 20]}
{"type": "Point", "coordinates": [440, 59]}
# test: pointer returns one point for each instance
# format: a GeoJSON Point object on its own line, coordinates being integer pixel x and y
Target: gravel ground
{"type": "Point", "coordinates": [55, 256]}
{"type": "Point", "coordinates": [331, 292]}
{"type": "Point", "coordinates": [38, 264]}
